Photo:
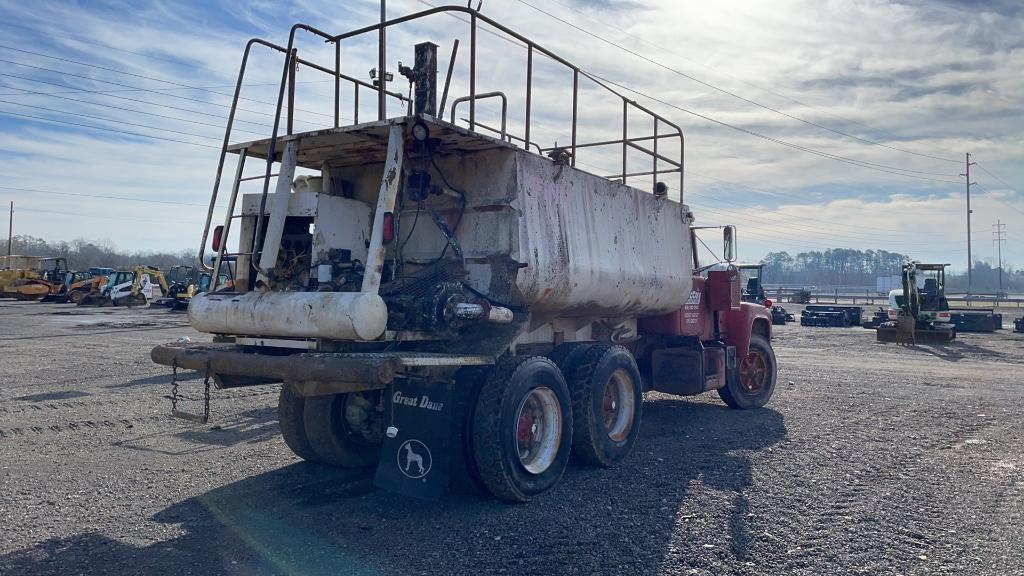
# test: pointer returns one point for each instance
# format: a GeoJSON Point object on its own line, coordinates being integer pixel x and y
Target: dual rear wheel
{"type": "Point", "coordinates": [533, 411]}
{"type": "Point", "coordinates": [338, 429]}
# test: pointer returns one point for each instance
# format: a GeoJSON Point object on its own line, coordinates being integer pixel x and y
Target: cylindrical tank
{"type": "Point", "coordinates": [556, 240]}
{"type": "Point", "coordinates": [591, 246]}
{"type": "Point", "coordinates": [329, 315]}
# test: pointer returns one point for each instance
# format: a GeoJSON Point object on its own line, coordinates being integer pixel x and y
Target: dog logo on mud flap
{"type": "Point", "coordinates": [414, 459]}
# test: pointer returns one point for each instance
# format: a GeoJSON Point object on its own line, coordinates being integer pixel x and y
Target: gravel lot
{"type": "Point", "coordinates": [869, 460]}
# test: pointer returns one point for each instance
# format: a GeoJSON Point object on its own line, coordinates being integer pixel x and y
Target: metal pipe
{"type": "Point", "coordinates": [472, 70]}
{"type": "Point", "coordinates": [247, 178]}
{"type": "Point", "coordinates": [625, 135]}
{"type": "Point", "coordinates": [617, 141]}
{"type": "Point", "coordinates": [448, 79]}
{"type": "Point", "coordinates": [355, 114]}
{"type": "Point", "coordinates": [201, 264]}
{"type": "Point", "coordinates": [330, 72]}
{"type": "Point", "coordinates": [337, 84]}
{"type": "Point", "coordinates": [644, 173]}
{"type": "Point", "coordinates": [531, 46]}
{"type": "Point", "coordinates": [504, 106]}
{"type": "Point", "coordinates": [509, 137]}
{"type": "Point", "coordinates": [382, 73]}
{"type": "Point", "coordinates": [575, 98]}
{"type": "Point", "coordinates": [228, 218]}
{"type": "Point", "coordinates": [654, 177]}
{"type": "Point", "coordinates": [272, 146]}
{"type": "Point", "coordinates": [529, 91]}
{"type": "Point", "coordinates": [291, 91]}
{"type": "Point", "coordinates": [636, 146]}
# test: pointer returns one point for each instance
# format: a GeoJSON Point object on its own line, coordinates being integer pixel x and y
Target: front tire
{"type": "Point", "coordinates": [337, 431]}
{"type": "Point", "coordinates": [607, 400]}
{"type": "Point", "coordinates": [756, 380]}
{"type": "Point", "coordinates": [522, 428]}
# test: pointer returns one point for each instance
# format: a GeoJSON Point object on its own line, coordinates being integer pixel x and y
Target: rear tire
{"type": "Point", "coordinates": [290, 409]}
{"type": "Point", "coordinates": [756, 381]}
{"type": "Point", "coordinates": [607, 400]}
{"type": "Point", "coordinates": [333, 441]}
{"type": "Point", "coordinates": [522, 428]}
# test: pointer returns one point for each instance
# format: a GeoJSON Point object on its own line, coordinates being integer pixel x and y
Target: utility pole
{"type": "Point", "coordinates": [970, 262]}
{"type": "Point", "coordinates": [999, 237]}
{"type": "Point", "coordinates": [10, 230]}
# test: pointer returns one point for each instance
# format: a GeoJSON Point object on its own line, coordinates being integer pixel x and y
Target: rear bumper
{"type": "Point", "coordinates": [310, 373]}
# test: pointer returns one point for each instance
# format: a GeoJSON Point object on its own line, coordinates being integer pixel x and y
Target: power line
{"type": "Point", "coordinates": [88, 41]}
{"type": "Point", "coordinates": [40, 118]}
{"type": "Point", "coordinates": [723, 90]}
{"type": "Point", "coordinates": [107, 94]}
{"type": "Point", "coordinates": [1001, 181]}
{"type": "Point", "coordinates": [1010, 206]}
{"type": "Point", "coordinates": [642, 40]}
{"type": "Point", "coordinates": [90, 116]}
{"type": "Point", "coordinates": [153, 90]}
{"type": "Point", "coordinates": [111, 106]}
{"type": "Point", "coordinates": [106, 217]}
{"type": "Point", "coordinates": [155, 79]}
{"type": "Point", "coordinates": [844, 159]}
{"type": "Point", "coordinates": [149, 200]}
{"type": "Point", "coordinates": [862, 163]}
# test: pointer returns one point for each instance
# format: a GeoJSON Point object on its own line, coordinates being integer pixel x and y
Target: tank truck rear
{"type": "Point", "coordinates": [447, 301]}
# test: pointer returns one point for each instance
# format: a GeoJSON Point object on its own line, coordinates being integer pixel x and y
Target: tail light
{"type": "Point", "coordinates": [218, 233]}
{"type": "Point", "coordinates": [389, 227]}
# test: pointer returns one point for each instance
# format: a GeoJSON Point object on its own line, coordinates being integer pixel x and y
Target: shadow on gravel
{"type": "Point", "coordinates": [183, 376]}
{"type": "Point", "coordinates": [957, 351]}
{"type": "Point", "coordinates": [638, 517]}
{"type": "Point", "coordinates": [49, 396]}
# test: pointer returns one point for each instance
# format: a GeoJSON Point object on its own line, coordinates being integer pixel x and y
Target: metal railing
{"type": "Point", "coordinates": [663, 129]}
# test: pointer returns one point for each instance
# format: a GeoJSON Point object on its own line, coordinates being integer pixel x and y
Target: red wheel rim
{"type": "Point", "coordinates": [753, 371]}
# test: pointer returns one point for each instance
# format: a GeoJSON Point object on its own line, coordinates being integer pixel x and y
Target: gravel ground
{"type": "Point", "coordinates": [869, 460]}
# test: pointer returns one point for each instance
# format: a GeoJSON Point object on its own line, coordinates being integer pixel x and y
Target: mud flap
{"type": "Point", "coordinates": [416, 461]}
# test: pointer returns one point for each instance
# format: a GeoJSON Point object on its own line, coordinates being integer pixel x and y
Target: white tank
{"type": "Point", "coordinates": [331, 315]}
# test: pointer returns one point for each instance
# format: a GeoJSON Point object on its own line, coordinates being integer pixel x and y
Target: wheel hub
{"type": "Point", "coordinates": [617, 405]}
{"type": "Point", "coordinates": [753, 372]}
{"type": "Point", "coordinates": [538, 430]}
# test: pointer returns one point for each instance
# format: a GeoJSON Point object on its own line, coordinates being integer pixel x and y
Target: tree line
{"type": "Point", "coordinates": [84, 254]}
{"type": "Point", "coordinates": [850, 267]}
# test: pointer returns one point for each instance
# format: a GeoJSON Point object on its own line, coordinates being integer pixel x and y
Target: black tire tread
{"type": "Point", "coordinates": [293, 428]}
{"type": "Point", "coordinates": [727, 395]}
{"type": "Point", "coordinates": [487, 430]}
{"type": "Point", "coordinates": [333, 448]}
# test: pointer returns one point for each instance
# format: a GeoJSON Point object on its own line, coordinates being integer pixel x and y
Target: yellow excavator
{"type": "Point", "coordinates": [919, 315]}
{"type": "Point", "coordinates": [15, 269]}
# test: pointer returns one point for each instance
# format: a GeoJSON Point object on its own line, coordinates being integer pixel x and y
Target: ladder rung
{"type": "Point", "coordinates": [255, 177]}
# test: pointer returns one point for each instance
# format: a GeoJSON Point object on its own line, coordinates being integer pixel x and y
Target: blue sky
{"type": "Point", "coordinates": [905, 87]}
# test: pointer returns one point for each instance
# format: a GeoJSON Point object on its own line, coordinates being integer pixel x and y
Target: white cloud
{"type": "Point", "coordinates": [927, 77]}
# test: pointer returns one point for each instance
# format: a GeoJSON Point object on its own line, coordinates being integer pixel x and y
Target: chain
{"type": "Point", "coordinates": [174, 385]}
{"type": "Point", "coordinates": [206, 395]}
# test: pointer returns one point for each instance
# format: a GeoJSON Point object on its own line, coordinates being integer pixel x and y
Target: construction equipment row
{"type": "Point", "coordinates": [48, 279]}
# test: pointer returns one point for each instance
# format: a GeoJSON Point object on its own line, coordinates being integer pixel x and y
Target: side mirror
{"type": "Point", "coordinates": [729, 243]}
{"type": "Point", "coordinates": [218, 234]}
